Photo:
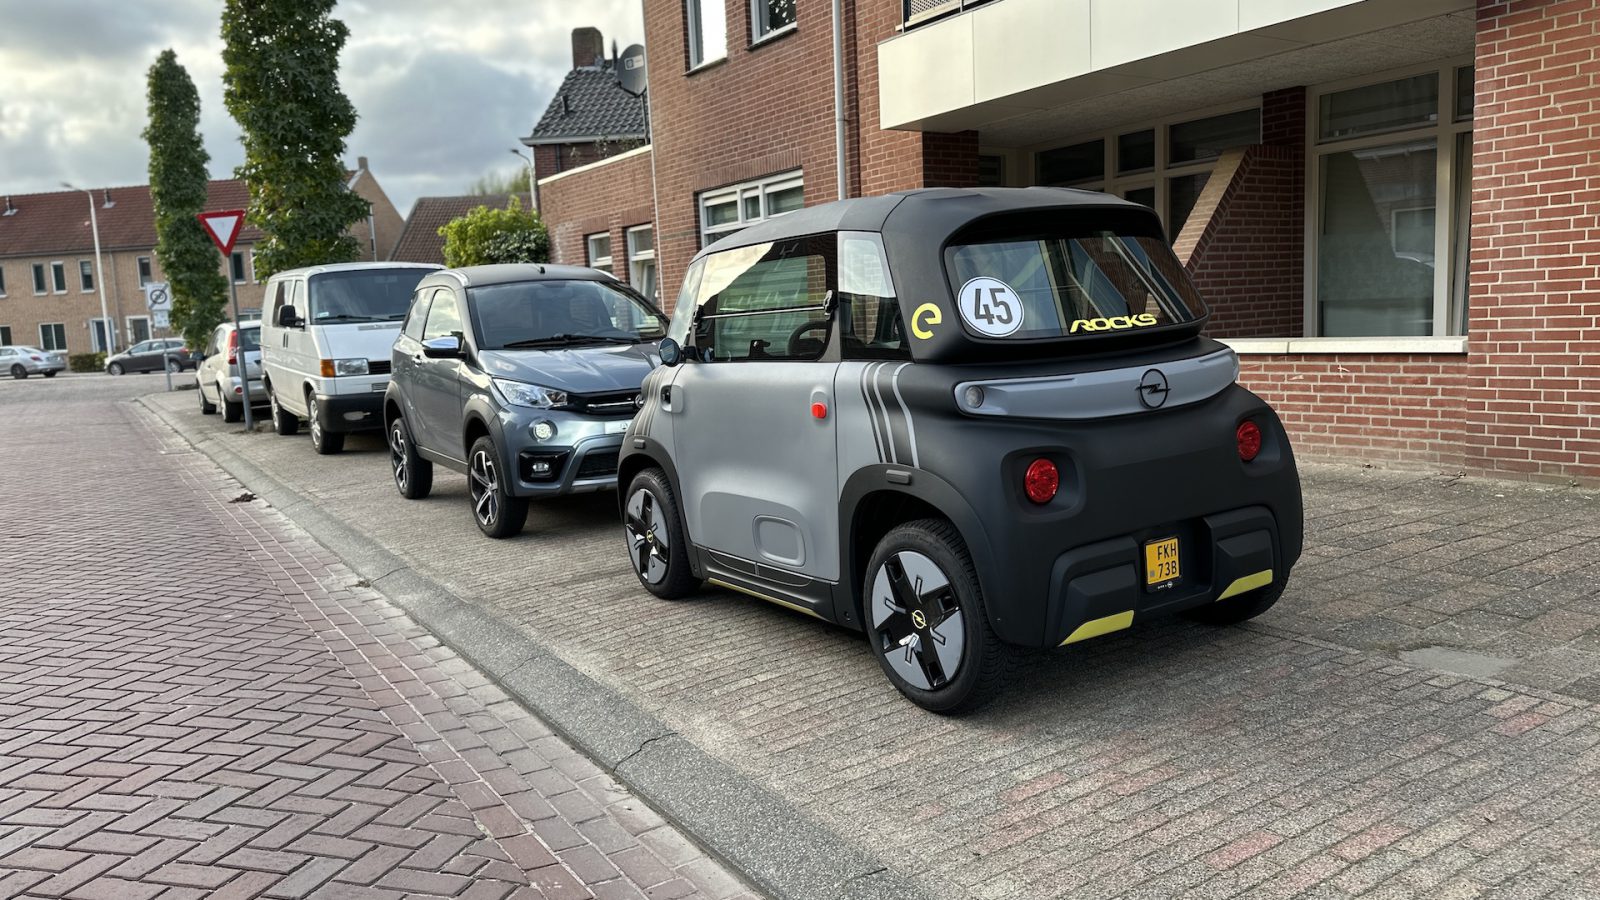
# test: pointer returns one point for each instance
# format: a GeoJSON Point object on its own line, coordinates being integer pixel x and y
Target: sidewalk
{"type": "Point", "coordinates": [197, 700]}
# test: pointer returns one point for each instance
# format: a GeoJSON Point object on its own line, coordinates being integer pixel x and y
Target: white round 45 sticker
{"type": "Point", "coordinates": [990, 307]}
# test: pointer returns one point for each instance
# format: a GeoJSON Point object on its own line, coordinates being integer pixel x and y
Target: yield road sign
{"type": "Point", "coordinates": [224, 227]}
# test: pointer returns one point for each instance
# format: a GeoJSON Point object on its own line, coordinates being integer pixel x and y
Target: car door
{"type": "Point", "coordinates": [298, 348]}
{"type": "Point", "coordinates": [147, 356]}
{"type": "Point", "coordinates": [436, 384]}
{"type": "Point", "coordinates": [753, 430]}
{"type": "Point", "coordinates": [407, 347]}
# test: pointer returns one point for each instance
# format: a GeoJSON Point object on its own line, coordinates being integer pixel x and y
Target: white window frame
{"type": "Point", "coordinates": [694, 23]}
{"type": "Point", "coordinates": [757, 9]}
{"type": "Point", "coordinates": [639, 257]}
{"type": "Point", "coordinates": [1446, 133]}
{"type": "Point", "coordinates": [1156, 177]}
{"type": "Point", "coordinates": [760, 188]}
{"type": "Point", "coordinates": [63, 331]}
{"type": "Point", "coordinates": [58, 266]}
{"type": "Point", "coordinates": [149, 329]}
{"type": "Point", "coordinates": [85, 273]}
{"type": "Point", "coordinates": [595, 261]}
{"type": "Point", "coordinates": [41, 279]}
{"type": "Point", "coordinates": [141, 264]}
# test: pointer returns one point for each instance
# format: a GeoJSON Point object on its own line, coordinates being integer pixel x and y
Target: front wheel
{"type": "Point", "coordinates": [497, 512]}
{"type": "Point", "coordinates": [116, 369]}
{"type": "Point", "coordinates": [657, 545]}
{"type": "Point", "coordinates": [1234, 610]}
{"type": "Point", "coordinates": [926, 619]}
{"type": "Point", "coordinates": [323, 441]}
{"type": "Point", "coordinates": [283, 421]}
{"type": "Point", "coordinates": [413, 475]}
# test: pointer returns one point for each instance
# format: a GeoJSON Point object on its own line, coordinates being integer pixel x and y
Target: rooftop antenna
{"type": "Point", "coordinates": [631, 77]}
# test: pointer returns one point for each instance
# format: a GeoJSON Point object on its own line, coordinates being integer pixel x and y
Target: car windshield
{"type": "Point", "coordinates": [250, 338]}
{"type": "Point", "coordinates": [556, 313]}
{"type": "Point", "coordinates": [1033, 285]}
{"type": "Point", "coordinates": [363, 295]}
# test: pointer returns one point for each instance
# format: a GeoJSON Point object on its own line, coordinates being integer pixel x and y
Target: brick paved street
{"type": "Point", "coordinates": [1296, 756]}
{"type": "Point", "coordinates": [198, 700]}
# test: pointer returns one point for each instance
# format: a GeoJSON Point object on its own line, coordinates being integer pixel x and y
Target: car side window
{"type": "Point", "coordinates": [766, 302]}
{"type": "Point", "coordinates": [872, 325]}
{"type": "Point", "coordinates": [444, 315]}
{"type": "Point", "coordinates": [417, 315]}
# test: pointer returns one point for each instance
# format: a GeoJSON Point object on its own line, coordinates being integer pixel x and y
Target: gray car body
{"type": "Point", "coordinates": [449, 403]}
{"type": "Point", "coordinates": [24, 356]}
{"type": "Point", "coordinates": [153, 356]}
{"type": "Point", "coordinates": [217, 379]}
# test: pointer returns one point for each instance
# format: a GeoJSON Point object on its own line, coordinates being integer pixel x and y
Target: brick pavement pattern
{"type": "Point", "coordinates": [197, 700]}
{"type": "Point", "coordinates": [1287, 758]}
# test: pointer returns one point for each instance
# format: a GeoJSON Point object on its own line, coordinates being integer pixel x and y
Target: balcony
{"type": "Point", "coordinates": [916, 12]}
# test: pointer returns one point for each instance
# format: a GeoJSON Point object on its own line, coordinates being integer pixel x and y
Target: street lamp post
{"type": "Point", "coordinates": [533, 184]}
{"type": "Point", "coordinates": [99, 272]}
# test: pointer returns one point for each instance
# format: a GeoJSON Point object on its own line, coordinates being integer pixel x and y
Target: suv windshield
{"type": "Point", "coordinates": [555, 313]}
{"type": "Point", "coordinates": [364, 295]}
{"type": "Point", "coordinates": [1055, 285]}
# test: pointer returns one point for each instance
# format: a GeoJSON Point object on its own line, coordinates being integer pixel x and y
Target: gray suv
{"type": "Point", "coordinates": [522, 377]}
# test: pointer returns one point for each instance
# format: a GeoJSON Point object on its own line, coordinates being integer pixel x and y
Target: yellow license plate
{"type": "Point", "coordinates": [1161, 561]}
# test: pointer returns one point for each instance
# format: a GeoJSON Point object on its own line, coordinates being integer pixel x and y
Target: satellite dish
{"type": "Point", "coordinates": [630, 70]}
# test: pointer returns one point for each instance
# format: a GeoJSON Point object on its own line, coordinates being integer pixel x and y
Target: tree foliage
{"type": "Point", "coordinates": [281, 85]}
{"type": "Point", "coordinates": [506, 181]}
{"type": "Point", "coordinates": [486, 236]}
{"type": "Point", "coordinates": [178, 179]}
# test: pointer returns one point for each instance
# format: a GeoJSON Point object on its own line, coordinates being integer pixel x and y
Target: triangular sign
{"type": "Point", "coordinates": [223, 226]}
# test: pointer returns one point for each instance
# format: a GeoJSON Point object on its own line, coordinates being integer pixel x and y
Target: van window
{"type": "Point", "coordinates": [362, 295]}
{"type": "Point", "coordinates": [273, 302]}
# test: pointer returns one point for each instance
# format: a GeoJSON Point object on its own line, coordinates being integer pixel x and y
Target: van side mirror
{"type": "Point", "coordinates": [447, 347]}
{"type": "Point", "coordinates": [288, 318]}
{"type": "Point", "coordinates": [671, 352]}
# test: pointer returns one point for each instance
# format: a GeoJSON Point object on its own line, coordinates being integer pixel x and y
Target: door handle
{"type": "Point", "coordinates": [666, 393]}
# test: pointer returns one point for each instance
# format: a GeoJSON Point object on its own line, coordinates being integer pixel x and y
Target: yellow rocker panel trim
{"type": "Point", "coordinates": [1248, 583]}
{"type": "Point", "coordinates": [767, 597]}
{"type": "Point", "coordinates": [1096, 627]}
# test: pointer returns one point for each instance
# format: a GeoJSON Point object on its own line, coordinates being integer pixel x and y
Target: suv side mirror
{"type": "Point", "coordinates": [671, 352]}
{"type": "Point", "coordinates": [288, 318]}
{"type": "Point", "coordinates": [447, 347]}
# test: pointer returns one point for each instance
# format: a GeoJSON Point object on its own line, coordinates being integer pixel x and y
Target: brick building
{"type": "Point", "coordinates": [590, 118]}
{"type": "Point", "coordinates": [1392, 207]}
{"type": "Point", "coordinates": [49, 296]}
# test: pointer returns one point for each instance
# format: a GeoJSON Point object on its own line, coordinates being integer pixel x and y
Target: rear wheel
{"type": "Point", "coordinates": [498, 514]}
{"type": "Point", "coordinates": [231, 412]}
{"type": "Point", "coordinates": [18, 372]}
{"type": "Point", "coordinates": [323, 441]}
{"type": "Point", "coordinates": [926, 619]}
{"type": "Point", "coordinates": [115, 369]}
{"type": "Point", "coordinates": [657, 545]}
{"type": "Point", "coordinates": [413, 475]}
{"type": "Point", "coordinates": [174, 367]}
{"type": "Point", "coordinates": [1238, 609]}
{"type": "Point", "coordinates": [283, 421]}
{"type": "Point", "coordinates": [206, 406]}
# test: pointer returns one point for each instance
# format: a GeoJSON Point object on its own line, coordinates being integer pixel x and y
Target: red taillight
{"type": "Point", "coordinates": [37, 358]}
{"type": "Point", "coordinates": [1042, 481]}
{"type": "Point", "coordinates": [1249, 437]}
{"type": "Point", "coordinates": [233, 348]}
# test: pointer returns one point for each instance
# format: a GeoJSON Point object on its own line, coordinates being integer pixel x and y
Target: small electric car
{"type": "Point", "coordinates": [523, 377]}
{"type": "Point", "coordinates": [957, 420]}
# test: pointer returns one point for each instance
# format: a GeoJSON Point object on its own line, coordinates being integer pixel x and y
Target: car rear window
{"type": "Point", "coordinates": [250, 338]}
{"type": "Point", "coordinates": [363, 295]}
{"type": "Point", "coordinates": [1054, 284]}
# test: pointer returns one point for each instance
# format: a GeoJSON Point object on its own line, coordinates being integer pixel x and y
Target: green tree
{"type": "Point", "coordinates": [281, 85]}
{"type": "Point", "coordinates": [178, 192]}
{"type": "Point", "coordinates": [509, 181]}
{"type": "Point", "coordinates": [486, 236]}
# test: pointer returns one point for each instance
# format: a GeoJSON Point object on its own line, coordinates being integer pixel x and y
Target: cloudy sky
{"type": "Point", "coordinates": [443, 89]}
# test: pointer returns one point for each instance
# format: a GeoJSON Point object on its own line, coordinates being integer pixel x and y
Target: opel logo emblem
{"type": "Point", "coordinates": [919, 619]}
{"type": "Point", "coordinates": [1153, 389]}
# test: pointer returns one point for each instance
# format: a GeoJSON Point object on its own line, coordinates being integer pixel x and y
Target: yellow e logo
{"type": "Point", "coordinates": [923, 320]}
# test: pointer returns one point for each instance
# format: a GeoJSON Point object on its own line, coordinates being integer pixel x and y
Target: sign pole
{"type": "Point", "coordinates": [244, 377]}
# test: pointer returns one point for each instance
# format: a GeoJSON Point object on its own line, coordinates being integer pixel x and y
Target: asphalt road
{"type": "Point", "coordinates": [1324, 750]}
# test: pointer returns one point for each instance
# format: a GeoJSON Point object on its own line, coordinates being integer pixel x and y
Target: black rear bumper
{"type": "Point", "coordinates": [350, 412]}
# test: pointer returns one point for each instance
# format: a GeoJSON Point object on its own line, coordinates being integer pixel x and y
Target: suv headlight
{"type": "Point", "coordinates": [348, 367]}
{"type": "Point", "coordinates": [520, 393]}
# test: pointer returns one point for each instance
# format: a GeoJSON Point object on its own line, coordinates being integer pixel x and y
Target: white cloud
{"type": "Point", "coordinates": [443, 89]}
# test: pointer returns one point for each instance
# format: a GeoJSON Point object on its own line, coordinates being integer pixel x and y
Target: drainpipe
{"type": "Point", "coordinates": [838, 96]}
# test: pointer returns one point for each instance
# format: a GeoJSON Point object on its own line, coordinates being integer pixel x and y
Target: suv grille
{"type": "Point", "coordinates": [598, 464]}
{"type": "Point", "coordinates": [616, 403]}
{"type": "Point", "coordinates": [379, 366]}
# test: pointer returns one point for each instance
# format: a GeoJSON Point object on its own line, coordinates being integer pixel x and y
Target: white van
{"type": "Point", "coordinates": [325, 340]}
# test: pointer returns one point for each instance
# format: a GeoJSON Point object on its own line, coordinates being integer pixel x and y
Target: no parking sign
{"type": "Point", "coordinates": [158, 296]}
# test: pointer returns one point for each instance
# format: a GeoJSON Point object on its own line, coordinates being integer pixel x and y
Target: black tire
{"type": "Point", "coordinates": [498, 514]}
{"type": "Point", "coordinates": [18, 372]}
{"type": "Point", "coordinates": [283, 421]}
{"type": "Point", "coordinates": [413, 475]}
{"type": "Point", "coordinates": [325, 442]}
{"type": "Point", "coordinates": [174, 367]}
{"type": "Point", "coordinates": [231, 412]}
{"type": "Point", "coordinates": [907, 646]}
{"type": "Point", "coordinates": [115, 369]}
{"type": "Point", "coordinates": [49, 374]}
{"type": "Point", "coordinates": [658, 544]}
{"type": "Point", "coordinates": [1237, 609]}
{"type": "Point", "coordinates": [206, 406]}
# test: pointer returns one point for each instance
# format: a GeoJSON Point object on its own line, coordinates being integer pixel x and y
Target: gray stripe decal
{"type": "Point", "coordinates": [888, 427]}
{"type": "Point", "coordinates": [872, 414]}
{"type": "Point", "coordinates": [911, 431]}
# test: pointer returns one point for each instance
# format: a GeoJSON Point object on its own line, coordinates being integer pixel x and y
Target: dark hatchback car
{"type": "Point", "coordinates": [523, 377]}
{"type": "Point", "coordinates": [153, 356]}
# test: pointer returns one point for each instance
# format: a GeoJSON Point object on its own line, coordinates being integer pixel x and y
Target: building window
{"type": "Point", "coordinates": [991, 171]}
{"type": "Point", "coordinates": [642, 260]}
{"type": "Point", "coordinates": [238, 267]}
{"type": "Point", "coordinates": [1389, 250]}
{"type": "Point", "coordinates": [2, 281]}
{"type": "Point", "coordinates": [707, 22]}
{"type": "Point", "coordinates": [53, 336]}
{"type": "Point", "coordinates": [138, 329]}
{"type": "Point", "coordinates": [1077, 164]}
{"type": "Point", "coordinates": [85, 275]}
{"type": "Point", "coordinates": [145, 274]}
{"type": "Point", "coordinates": [599, 250]}
{"type": "Point", "coordinates": [38, 278]}
{"type": "Point", "coordinates": [1206, 139]}
{"type": "Point", "coordinates": [726, 210]}
{"type": "Point", "coordinates": [5, 335]}
{"type": "Point", "coordinates": [770, 17]}
{"type": "Point", "coordinates": [99, 331]}
{"type": "Point", "coordinates": [58, 277]}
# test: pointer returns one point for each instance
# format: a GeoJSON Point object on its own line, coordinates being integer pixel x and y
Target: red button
{"type": "Point", "coordinates": [819, 410]}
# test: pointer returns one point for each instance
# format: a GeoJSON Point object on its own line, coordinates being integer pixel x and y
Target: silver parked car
{"type": "Point", "coordinates": [218, 373]}
{"type": "Point", "coordinates": [22, 361]}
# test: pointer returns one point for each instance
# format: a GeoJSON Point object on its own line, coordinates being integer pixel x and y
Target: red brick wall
{"type": "Point", "coordinates": [1533, 396]}
{"type": "Point", "coordinates": [553, 159]}
{"type": "Point", "coordinates": [611, 197]}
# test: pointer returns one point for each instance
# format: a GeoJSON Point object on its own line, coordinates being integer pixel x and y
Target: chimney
{"type": "Point", "coordinates": [10, 210]}
{"type": "Point", "coordinates": [361, 164]}
{"type": "Point", "coordinates": [588, 47]}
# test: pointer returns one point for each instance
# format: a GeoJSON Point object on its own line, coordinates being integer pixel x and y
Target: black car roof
{"type": "Point", "coordinates": [477, 276]}
{"type": "Point", "coordinates": [925, 214]}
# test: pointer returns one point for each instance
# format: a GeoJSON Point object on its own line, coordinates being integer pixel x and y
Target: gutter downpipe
{"type": "Point", "coordinates": [838, 97]}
